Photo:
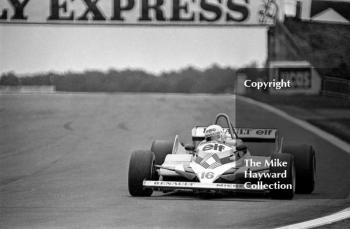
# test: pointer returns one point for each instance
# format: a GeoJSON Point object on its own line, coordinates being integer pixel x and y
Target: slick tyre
{"type": "Point", "coordinates": [161, 148]}
{"type": "Point", "coordinates": [305, 167]}
{"type": "Point", "coordinates": [141, 167]}
{"type": "Point", "coordinates": [289, 180]}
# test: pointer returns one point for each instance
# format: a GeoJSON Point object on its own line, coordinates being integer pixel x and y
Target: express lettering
{"type": "Point", "coordinates": [61, 7]}
{"type": "Point", "coordinates": [18, 8]}
{"type": "Point", "coordinates": [147, 10]}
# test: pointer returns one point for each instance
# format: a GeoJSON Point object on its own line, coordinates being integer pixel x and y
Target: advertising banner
{"type": "Point", "coordinates": [142, 12]}
{"type": "Point", "coordinates": [299, 76]}
{"type": "Point", "coordinates": [303, 78]}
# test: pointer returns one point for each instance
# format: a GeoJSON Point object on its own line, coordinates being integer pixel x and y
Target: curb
{"type": "Point", "coordinates": [342, 215]}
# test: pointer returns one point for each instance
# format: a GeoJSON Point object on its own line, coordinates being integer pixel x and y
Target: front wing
{"type": "Point", "coordinates": [180, 185]}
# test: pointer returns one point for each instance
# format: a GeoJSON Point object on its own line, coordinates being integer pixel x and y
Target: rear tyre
{"type": "Point", "coordinates": [286, 184]}
{"type": "Point", "coordinates": [141, 167]}
{"type": "Point", "coordinates": [161, 148]}
{"type": "Point", "coordinates": [305, 167]}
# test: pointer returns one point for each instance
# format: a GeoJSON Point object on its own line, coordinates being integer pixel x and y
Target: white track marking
{"type": "Point", "coordinates": [320, 221]}
{"type": "Point", "coordinates": [315, 130]}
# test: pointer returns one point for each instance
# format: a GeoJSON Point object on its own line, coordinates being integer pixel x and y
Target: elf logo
{"type": "Point", "coordinates": [216, 146]}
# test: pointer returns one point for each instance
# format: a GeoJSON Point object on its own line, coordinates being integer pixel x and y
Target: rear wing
{"type": "Point", "coordinates": [246, 134]}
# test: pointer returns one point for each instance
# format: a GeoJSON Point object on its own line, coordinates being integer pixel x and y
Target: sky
{"type": "Point", "coordinates": [30, 49]}
{"type": "Point", "coordinates": [61, 48]}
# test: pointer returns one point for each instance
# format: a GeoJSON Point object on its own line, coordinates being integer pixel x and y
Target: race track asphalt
{"type": "Point", "coordinates": [64, 161]}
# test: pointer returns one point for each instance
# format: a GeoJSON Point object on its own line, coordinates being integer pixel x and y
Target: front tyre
{"type": "Point", "coordinates": [141, 167]}
{"type": "Point", "coordinates": [161, 148]}
{"type": "Point", "coordinates": [286, 184]}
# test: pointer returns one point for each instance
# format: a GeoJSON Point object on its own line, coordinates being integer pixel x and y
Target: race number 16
{"type": "Point", "coordinates": [207, 175]}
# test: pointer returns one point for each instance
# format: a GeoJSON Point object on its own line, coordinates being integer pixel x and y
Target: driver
{"type": "Point", "coordinates": [217, 134]}
{"type": "Point", "coordinates": [214, 133]}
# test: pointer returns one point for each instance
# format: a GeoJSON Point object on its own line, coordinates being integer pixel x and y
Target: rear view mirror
{"type": "Point", "coordinates": [241, 147]}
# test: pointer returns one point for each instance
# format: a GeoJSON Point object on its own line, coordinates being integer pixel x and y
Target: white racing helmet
{"type": "Point", "coordinates": [214, 133]}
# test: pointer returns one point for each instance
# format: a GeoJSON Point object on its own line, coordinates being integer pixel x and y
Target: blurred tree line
{"type": "Point", "coordinates": [189, 80]}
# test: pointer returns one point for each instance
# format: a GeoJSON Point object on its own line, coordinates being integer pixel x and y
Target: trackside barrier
{"type": "Point", "coordinates": [336, 87]}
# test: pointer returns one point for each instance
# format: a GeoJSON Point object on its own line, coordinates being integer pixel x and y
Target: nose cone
{"type": "Point", "coordinates": [204, 175]}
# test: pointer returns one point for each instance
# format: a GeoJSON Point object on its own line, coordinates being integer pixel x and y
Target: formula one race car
{"type": "Point", "coordinates": [226, 166]}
